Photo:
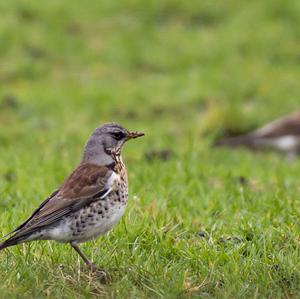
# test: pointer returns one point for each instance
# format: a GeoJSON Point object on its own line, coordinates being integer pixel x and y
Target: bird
{"type": "Point", "coordinates": [282, 135]}
{"type": "Point", "coordinates": [90, 201]}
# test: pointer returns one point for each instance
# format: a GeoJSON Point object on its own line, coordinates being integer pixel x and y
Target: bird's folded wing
{"type": "Point", "coordinates": [289, 125]}
{"type": "Point", "coordinates": [86, 184]}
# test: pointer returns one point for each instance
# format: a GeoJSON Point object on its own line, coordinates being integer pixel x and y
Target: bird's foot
{"type": "Point", "coordinates": [92, 267]}
{"type": "Point", "coordinates": [102, 274]}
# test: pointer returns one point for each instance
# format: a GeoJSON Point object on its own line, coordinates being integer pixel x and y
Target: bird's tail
{"type": "Point", "coordinates": [6, 244]}
{"type": "Point", "coordinates": [13, 240]}
{"type": "Point", "coordinates": [248, 140]}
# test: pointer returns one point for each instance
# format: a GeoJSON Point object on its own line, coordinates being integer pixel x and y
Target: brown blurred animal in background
{"type": "Point", "coordinates": [282, 135]}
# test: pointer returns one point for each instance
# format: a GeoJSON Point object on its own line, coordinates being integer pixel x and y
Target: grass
{"type": "Point", "coordinates": [203, 223]}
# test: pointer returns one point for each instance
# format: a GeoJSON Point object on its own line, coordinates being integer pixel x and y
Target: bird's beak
{"type": "Point", "coordinates": [132, 135]}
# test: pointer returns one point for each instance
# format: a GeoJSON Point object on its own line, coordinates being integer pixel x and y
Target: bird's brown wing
{"type": "Point", "coordinates": [87, 183]}
{"type": "Point", "coordinates": [35, 212]}
{"type": "Point", "coordinates": [288, 125]}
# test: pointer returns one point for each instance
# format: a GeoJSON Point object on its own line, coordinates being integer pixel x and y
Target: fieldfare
{"type": "Point", "coordinates": [282, 135]}
{"type": "Point", "coordinates": [89, 202]}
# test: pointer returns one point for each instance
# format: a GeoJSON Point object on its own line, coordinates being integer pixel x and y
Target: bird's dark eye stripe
{"type": "Point", "coordinates": [118, 135]}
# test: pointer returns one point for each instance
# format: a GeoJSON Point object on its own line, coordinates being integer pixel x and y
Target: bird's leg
{"type": "Point", "coordinates": [90, 265]}
{"type": "Point", "coordinates": [102, 274]}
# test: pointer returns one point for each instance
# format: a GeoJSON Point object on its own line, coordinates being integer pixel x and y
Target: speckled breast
{"type": "Point", "coordinates": [101, 216]}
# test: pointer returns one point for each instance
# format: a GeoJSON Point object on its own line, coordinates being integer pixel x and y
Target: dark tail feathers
{"type": "Point", "coordinates": [247, 140]}
{"type": "Point", "coordinates": [13, 240]}
{"type": "Point", "coordinates": [5, 244]}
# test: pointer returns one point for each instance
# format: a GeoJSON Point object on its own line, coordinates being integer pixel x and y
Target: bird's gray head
{"type": "Point", "coordinates": [106, 142]}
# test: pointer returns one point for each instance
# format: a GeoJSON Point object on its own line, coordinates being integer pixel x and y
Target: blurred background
{"type": "Point", "coordinates": [166, 66]}
{"type": "Point", "coordinates": [186, 73]}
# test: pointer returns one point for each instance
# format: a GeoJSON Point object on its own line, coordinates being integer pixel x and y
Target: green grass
{"type": "Point", "coordinates": [184, 72]}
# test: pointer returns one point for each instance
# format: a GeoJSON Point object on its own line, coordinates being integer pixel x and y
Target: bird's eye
{"type": "Point", "coordinates": [118, 135]}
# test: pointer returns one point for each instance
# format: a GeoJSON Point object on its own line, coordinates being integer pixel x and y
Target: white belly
{"type": "Point", "coordinates": [103, 225]}
{"type": "Point", "coordinates": [285, 143]}
{"type": "Point", "coordinates": [94, 227]}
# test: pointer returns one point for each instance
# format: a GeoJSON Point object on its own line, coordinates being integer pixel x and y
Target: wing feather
{"type": "Point", "coordinates": [86, 184]}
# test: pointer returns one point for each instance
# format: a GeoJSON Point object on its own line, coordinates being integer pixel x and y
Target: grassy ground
{"type": "Point", "coordinates": [203, 223]}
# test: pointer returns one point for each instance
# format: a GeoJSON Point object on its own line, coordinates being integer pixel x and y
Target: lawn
{"type": "Point", "coordinates": [202, 222]}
